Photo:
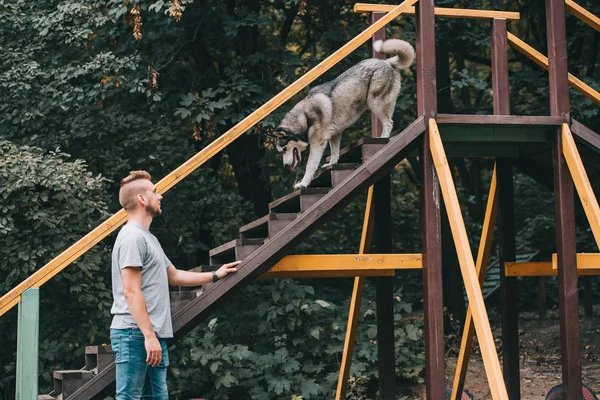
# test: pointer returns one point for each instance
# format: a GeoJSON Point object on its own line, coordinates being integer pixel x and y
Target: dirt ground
{"type": "Point", "coordinates": [540, 356]}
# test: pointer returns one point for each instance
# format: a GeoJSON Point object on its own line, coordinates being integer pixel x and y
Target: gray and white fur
{"type": "Point", "coordinates": [331, 107]}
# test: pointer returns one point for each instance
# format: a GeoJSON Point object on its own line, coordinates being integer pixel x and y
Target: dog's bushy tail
{"type": "Point", "coordinates": [404, 53]}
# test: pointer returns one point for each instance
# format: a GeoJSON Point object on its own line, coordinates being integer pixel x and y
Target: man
{"type": "Point", "coordinates": [141, 275]}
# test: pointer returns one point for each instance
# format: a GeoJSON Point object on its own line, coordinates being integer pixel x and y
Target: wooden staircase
{"type": "Point", "coordinates": [261, 244]}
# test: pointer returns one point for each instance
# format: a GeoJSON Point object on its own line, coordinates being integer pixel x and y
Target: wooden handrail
{"type": "Point", "coordinates": [542, 61]}
{"type": "Point", "coordinates": [441, 12]}
{"type": "Point", "coordinates": [583, 14]}
{"type": "Point", "coordinates": [59, 263]}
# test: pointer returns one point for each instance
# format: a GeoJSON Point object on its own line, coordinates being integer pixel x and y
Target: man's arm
{"type": "Point", "coordinates": [132, 287]}
{"type": "Point", "coordinates": [178, 277]}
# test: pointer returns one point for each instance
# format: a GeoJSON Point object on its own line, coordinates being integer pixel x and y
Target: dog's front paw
{"type": "Point", "coordinates": [300, 185]}
{"type": "Point", "coordinates": [324, 166]}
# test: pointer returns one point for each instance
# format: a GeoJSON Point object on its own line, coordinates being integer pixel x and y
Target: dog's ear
{"type": "Point", "coordinates": [302, 146]}
{"type": "Point", "coordinates": [278, 134]}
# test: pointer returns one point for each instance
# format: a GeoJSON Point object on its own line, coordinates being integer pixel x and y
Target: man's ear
{"type": "Point", "coordinates": [302, 146]}
{"type": "Point", "coordinates": [140, 197]}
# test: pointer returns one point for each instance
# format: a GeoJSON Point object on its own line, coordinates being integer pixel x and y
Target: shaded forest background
{"type": "Point", "coordinates": [90, 90]}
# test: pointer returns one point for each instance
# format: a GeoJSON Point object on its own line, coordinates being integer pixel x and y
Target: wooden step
{"type": "Point", "coordinates": [46, 397]}
{"type": "Point", "coordinates": [181, 298]}
{"type": "Point", "coordinates": [333, 175]}
{"type": "Point", "coordinates": [237, 249]}
{"type": "Point", "coordinates": [98, 357]}
{"type": "Point", "coordinates": [362, 150]}
{"type": "Point", "coordinates": [66, 382]}
{"type": "Point", "coordinates": [267, 226]}
{"type": "Point", "coordinates": [297, 201]}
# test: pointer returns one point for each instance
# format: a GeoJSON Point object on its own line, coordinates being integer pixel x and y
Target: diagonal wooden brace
{"type": "Point", "coordinates": [485, 245]}
{"type": "Point", "coordinates": [467, 266]}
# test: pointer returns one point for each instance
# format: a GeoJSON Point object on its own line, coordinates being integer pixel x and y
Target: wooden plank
{"type": "Point", "coordinates": [542, 61]}
{"type": "Point", "coordinates": [492, 134]}
{"type": "Point", "coordinates": [357, 293]}
{"type": "Point", "coordinates": [28, 331]}
{"type": "Point", "coordinates": [431, 230]}
{"type": "Point", "coordinates": [467, 266]}
{"type": "Point", "coordinates": [583, 14]}
{"type": "Point", "coordinates": [586, 134]}
{"type": "Point", "coordinates": [485, 246]}
{"type": "Point", "coordinates": [531, 268]}
{"type": "Point", "coordinates": [281, 244]}
{"type": "Point", "coordinates": [587, 264]}
{"type": "Point", "coordinates": [508, 287]}
{"type": "Point", "coordinates": [476, 119]}
{"type": "Point", "coordinates": [564, 205]}
{"type": "Point", "coordinates": [341, 265]}
{"type": "Point", "coordinates": [441, 12]}
{"type": "Point", "coordinates": [582, 182]}
{"type": "Point", "coordinates": [88, 241]}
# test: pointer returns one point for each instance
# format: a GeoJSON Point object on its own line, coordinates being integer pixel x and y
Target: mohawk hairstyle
{"type": "Point", "coordinates": [127, 193]}
{"type": "Point", "coordinates": [134, 176]}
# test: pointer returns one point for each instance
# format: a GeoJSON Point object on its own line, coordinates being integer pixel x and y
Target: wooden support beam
{"type": "Point", "coordinates": [467, 266]}
{"type": "Point", "coordinates": [508, 287]}
{"type": "Point", "coordinates": [342, 265]}
{"type": "Point", "coordinates": [583, 14]}
{"type": "Point", "coordinates": [431, 227]}
{"type": "Point", "coordinates": [28, 330]}
{"type": "Point", "coordinates": [542, 61]}
{"type": "Point", "coordinates": [587, 264]}
{"type": "Point", "coordinates": [357, 292]}
{"type": "Point", "coordinates": [506, 223]}
{"type": "Point", "coordinates": [499, 120]}
{"type": "Point", "coordinates": [485, 245]}
{"type": "Point", "coordinates": [564, 205]}
{"type": "Point", "coordinates": [108, 226]}
{"type": "Point", "coordinates": [582, 183]}
{"type": "Point", "coordinates": [441, 12]}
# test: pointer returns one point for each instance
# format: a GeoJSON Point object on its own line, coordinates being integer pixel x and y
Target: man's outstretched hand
{"type": "Point", "coordinates": [227, 269]}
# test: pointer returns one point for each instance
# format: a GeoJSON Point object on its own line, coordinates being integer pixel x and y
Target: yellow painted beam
{"type": "Point", "coordinates": [342, 265]}
{"type": "Point", "coordinates": [485, 246]}
{"type": "Point", "coordinates": [107, 227]}
{"type": "Point", "coordinates": [531, 268]}
{"type": "Point", "coordinates": [441, 12]}
{"type": "Point", "coordinates": [583, 14]}
{"type": "Point", "coordinates": [467, 266]}
{"type": "Point", "coordinates": [582, 182]}
{"type": "Point", "coordinates": [542, 61]}
{"type": "Point", "coordinates": [357, 293]}
{"type": "Point", "coordinates": [587, 264]}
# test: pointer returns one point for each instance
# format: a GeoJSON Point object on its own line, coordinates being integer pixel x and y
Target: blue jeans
{"type": "Point", "coordinates": [136, 379]}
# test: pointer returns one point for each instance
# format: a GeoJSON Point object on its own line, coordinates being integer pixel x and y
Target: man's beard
{"type": "Point", "coordinates": [154, 211]}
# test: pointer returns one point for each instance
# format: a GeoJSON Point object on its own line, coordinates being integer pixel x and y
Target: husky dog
{"type": "Point", "coordinates": [330, 108]}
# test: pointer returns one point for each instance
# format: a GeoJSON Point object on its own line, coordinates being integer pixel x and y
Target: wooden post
{"type": "Point", "coordinates": [564, 205]}
{"type": "Point", "coordinates": [386, 357]}
{"type": "Point", "coordinates": [27, 345]}
{"type": "Point", "coordinates": [506, 223]}
{"type": "Point", "coordinates": [430, 208]}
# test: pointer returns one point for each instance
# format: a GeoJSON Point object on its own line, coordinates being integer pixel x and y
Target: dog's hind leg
{"type": "Point", "coordinates": [316, 152]}
{"type": "Point", "coordinates": [334, 146]}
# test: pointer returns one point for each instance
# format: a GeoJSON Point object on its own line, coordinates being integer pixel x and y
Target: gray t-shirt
{"type": "Point", "coordinates": [137, 247]}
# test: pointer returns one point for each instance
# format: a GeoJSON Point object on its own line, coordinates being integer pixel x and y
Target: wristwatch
{"type": "Point", "coordinates": [215, 276]}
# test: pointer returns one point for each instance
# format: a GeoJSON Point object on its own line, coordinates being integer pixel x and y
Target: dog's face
{"type": "Point", "coordinates": [291, 149]}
